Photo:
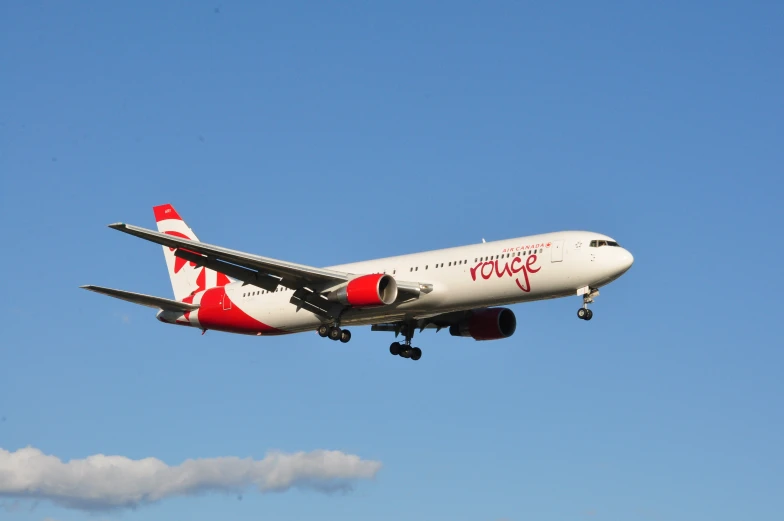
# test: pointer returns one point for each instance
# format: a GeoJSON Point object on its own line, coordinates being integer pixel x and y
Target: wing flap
{"type": "Point", "coordinates": [143, 300]}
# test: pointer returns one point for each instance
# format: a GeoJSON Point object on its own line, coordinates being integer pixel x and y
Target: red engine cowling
{"type": "Point", "coordinates": [487, 324]}
{"type": "Point", "coordinates": [367, 291]}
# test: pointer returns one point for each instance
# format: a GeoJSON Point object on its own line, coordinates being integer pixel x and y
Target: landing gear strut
{"type": "Point", "coordinates": [405, 350]}
{"type": "Point", "coordinates": [585, 313]}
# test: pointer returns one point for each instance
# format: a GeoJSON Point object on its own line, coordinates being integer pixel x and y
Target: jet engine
{"type": "Point", "coordinates": [486, 324]}
{"type": "Point", "coordinates": [367, 291]}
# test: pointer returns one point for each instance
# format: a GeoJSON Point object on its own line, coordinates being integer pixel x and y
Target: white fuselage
{"type": "Point", "coordinates": [495, 273]}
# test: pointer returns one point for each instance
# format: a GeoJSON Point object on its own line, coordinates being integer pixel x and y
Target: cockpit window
{"type": "Point", "coordinates": [598, 243]}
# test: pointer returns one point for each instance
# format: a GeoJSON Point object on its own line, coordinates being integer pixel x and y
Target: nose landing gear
{"type": "Point", "coordinates": [588, 295]}
{"type": "Point", "coordinates": [584, 313]}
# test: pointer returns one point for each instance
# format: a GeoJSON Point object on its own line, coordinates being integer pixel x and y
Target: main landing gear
{"type": "Point", "coordinates": [585, 313]}
{"type": "Point", "coordinates": [334, 333]}
{"type": "Point", "coordinates": [405, 350]}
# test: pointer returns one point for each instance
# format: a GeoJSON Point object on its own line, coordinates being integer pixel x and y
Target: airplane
{"type": "Point", "coordinates": [462, 289]}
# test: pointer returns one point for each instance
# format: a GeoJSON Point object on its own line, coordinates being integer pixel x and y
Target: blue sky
{"type": "Point", "coordinates": [325, 134]}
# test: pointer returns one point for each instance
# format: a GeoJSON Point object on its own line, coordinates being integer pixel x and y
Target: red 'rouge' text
{"type": "Point", "coordinates": [489, 268]}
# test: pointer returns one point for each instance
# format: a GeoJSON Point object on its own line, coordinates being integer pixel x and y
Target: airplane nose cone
{"type": "Point", "coordinates": [626, 260]}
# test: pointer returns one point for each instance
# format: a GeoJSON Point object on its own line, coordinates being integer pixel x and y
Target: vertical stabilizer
{"type": "Point", "coordinates": [186, 277]}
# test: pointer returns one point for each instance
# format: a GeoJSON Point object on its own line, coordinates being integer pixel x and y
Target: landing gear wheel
{"type": "Point", "coordinates": [582, 313]}
{"type": "Point", "coordinates": [394, 348]}
{"type": "Point", "coordinates": [588, 314]}
{"type": "Point", "coordinates": [405, 352]}
{"type": "Point", "coordinates": [334, 333]}
{"type": "Point", "coordinates": [345, 336]}
{"type": "Point", "coordinates": [416, 353]}
{"type": "Point", "coordinates": [323, 330]}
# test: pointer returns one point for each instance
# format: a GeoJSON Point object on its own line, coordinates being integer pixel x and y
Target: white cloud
{"type": "Point", "coordinates": [104, 482]}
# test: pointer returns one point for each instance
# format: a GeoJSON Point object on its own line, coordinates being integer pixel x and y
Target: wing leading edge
{"type": "Point", "coordinates": [290, 274]}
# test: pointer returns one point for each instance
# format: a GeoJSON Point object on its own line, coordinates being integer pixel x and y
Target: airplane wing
{"type": "Point", "coordinates": [261, 271]}
{"type": "Point", "coordinates": [309, 283]}
{"type": "Point", "coordinates": [143, 300]}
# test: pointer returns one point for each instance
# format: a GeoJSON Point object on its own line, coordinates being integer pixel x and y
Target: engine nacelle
{"type": "Point", "coordinates": [367, 291]}
{"type": "Point", "coordinates": [487, 324]}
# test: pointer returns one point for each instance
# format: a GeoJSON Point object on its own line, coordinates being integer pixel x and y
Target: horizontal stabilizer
{"type": "Point", "coordinates": [144, 300]}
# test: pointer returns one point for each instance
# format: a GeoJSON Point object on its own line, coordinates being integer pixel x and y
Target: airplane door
{"type": "Point", "coordinates": [226, 300]}
{"type": "Point", "coordinates": [556, 250]}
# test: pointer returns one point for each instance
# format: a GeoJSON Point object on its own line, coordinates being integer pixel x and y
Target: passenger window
{"type": "Point", "coordinates": [425, 266]}
{"type": "Point", "coordinates": [416, 269]}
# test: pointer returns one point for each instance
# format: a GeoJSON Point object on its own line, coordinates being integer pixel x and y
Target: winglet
{"type": "Point", "coordinates": [117, 226]}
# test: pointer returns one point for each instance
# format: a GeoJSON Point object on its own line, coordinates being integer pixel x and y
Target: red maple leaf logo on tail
{"type": "Point", "coordinates": [179, 262]}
